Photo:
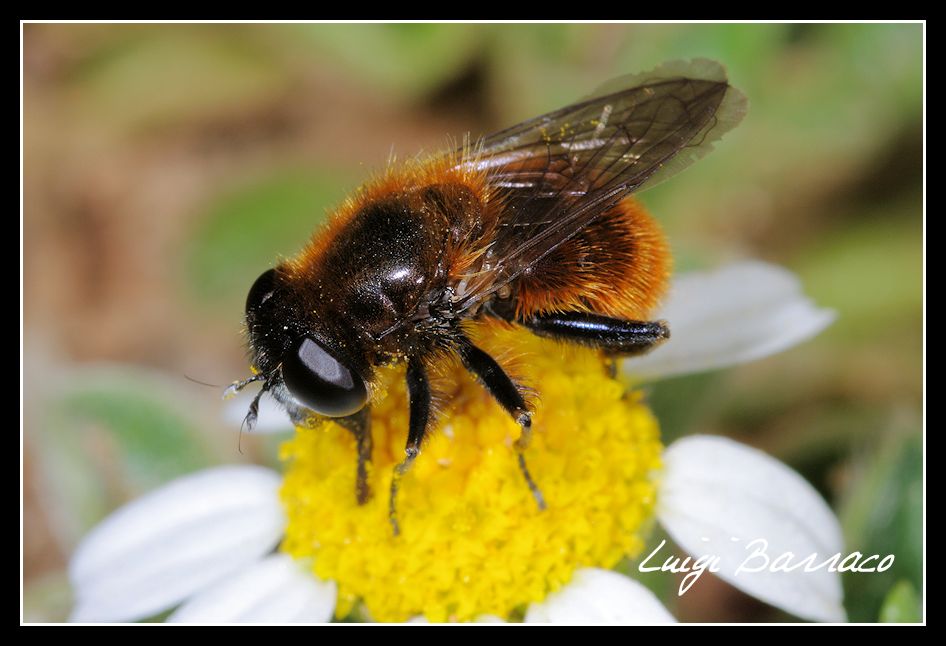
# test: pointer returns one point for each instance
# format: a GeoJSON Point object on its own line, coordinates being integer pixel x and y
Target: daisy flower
{"type": "Point", "coordinates": [246, 544]}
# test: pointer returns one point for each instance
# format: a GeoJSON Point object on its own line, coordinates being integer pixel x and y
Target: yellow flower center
{"type": "Point", "coordinates": [473, 540]}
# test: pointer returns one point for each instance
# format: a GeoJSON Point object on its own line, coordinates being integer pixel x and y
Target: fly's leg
{"type": "Point", "coordinates": [614, 336]}
{"type": "Point", "coordinates": [507, 394]}
{"type": "Point", "coordinates": [418, 391]}
{"type": "Point", "coordinates": [359, 425]}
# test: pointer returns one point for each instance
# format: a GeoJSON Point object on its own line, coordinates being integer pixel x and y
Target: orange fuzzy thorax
{"type": "Point", "coordinates": [398, 179]}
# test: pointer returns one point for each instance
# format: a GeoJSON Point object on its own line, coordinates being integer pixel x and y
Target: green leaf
{"type": "Point", "coordinates": [901, 606]}
{"type": "Point", "coordinates": [156, 442]}
{"type": "Point", "coordinates": [166, 73]}
{"type": "Point", "coordinates": [871, 272]}
{"type": "Point", "coordinates": [397, 60]}
{"type": "Point", "coordinates": [243, 233]}
{"type": "Point", "coordinates": [883, 514]}
{"type": "Point", "coordinates": [108, 435]}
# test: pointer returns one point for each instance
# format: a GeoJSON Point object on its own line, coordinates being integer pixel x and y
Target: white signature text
{"type": "Point", "coordinates": [758, 559]}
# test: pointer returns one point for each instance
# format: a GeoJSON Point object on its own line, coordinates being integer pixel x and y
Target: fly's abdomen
{"type": "Point", "coordinates": [619, 265]}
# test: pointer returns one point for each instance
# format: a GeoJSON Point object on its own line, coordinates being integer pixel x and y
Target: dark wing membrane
{"type": "Point", "coordinates": [557, 172]}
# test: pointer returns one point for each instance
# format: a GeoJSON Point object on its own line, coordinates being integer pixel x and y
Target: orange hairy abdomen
{"type": "Point", "coordinates": [619, 265]}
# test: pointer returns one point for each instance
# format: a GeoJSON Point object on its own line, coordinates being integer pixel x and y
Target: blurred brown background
{"type": "Point", "coordinates": [166, 166]}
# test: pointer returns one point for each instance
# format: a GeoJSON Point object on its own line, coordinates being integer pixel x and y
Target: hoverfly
{"type": "Point", "coordinates": [533, 226]}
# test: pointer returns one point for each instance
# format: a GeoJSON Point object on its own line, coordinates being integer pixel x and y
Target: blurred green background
{"type": "Point", "coordinates": [166, 166]}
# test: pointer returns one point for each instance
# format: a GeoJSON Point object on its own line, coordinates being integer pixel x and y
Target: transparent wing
{"type": "Point", "coordinates": [559, 171]}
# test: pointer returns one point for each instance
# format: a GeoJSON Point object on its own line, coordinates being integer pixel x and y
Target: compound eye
{"type": "Point", "coordinates": [261, 291]}
{"type": "Point", "coordinates": [320, 382]}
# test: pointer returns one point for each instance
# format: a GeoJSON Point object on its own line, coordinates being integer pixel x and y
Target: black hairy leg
{"type": "Point", "coordinates": [359, 425]}
{"type": "Point", "coordinates": [418, 391]}
{"type": "Point", "coordinates": [614, 336]}
{"type": "Point", "coordinates": [491, 375]}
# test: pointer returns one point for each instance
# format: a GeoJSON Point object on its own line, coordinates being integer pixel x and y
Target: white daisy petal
{"type": "Point", "coordinates": [718, 497]}
{"type": "Point", "coordinates": [481, 619]}
{"type": "Point", "coordinates": [158, 550]}
{"type": "Point", "coordinates": [274, 590]}
{"type": "Point", "coordinates": [272, 417]}
{"type": "Point", "coordinates": [735, 314]}
{"type": "Point", "coordinates": [596, 596]}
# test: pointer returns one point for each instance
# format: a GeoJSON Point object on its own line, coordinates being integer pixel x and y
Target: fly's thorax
{"type": "Point", "coordinates": [368, 290]}
{"type": "Point", "coordinates": [388, 267]}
